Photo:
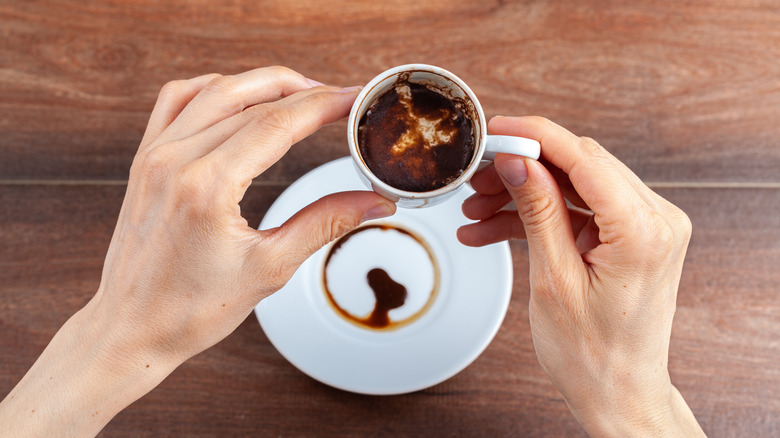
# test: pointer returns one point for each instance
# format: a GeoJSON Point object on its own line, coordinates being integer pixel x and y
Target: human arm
{"type": "Point", "coordinates": [183, 269]}
{"type": "Point", "coordinates": [604, 274]}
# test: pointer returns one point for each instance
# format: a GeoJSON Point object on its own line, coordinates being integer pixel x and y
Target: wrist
{"type": "Point", "coordinates": [84, 377]}
{"type": "Point", "coordinates": [123, 346]}
{"type": "Point", "coordinates": [122, 367]}
{"type": "Point", "coordinates": [649, 410]}
{"type": "Point", "coordinates": [618, 412]}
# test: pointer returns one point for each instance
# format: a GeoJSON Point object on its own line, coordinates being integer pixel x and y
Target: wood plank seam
{"type": "Point", "coordinates": [651, 184]}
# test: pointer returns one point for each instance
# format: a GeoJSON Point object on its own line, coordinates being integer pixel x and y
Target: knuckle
{"type": "Point", "coordinates": [543, 278]}
{"type": "Point", "coordinates": [684, 225]}
{"type": "Point", "coordinates": [222, 85]}
{"type": "Point", "coordinates": [551, 287]}
{"type": "Point", "coordinates": [277, 121]}
{"type": "Point", "coordinates": [594, 156]}
{"type": "Point", "coordinates": [677, 221]}
{"type": "Point", "coordinates": [536, 209]}
{"type": "Point", "coordinates": [681, 224]}
{"type": "Point", "coordinates": [541, 121]}
{"type": "Point", "coordinates": [590, 146]}
{"type": "Point", "coordinates": [337, 227]}
{"type": "Point", "coordinates": [280, 70]}
{"type": "Point", "coordinates": [171, 90]}
{"type": "Point", "coordinates": [224, 95]}
{"type": "Point", "coordinates": [193, 184]}
{"type": "Point", "coordinates": [660, 239]}
{"type": "Point", "coordinates": [156, 164]}
{"type": "Point", "coordinates": [279, 270]}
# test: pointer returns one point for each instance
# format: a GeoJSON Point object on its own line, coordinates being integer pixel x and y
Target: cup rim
{"type": "Point", "coordinates": [479, 147]}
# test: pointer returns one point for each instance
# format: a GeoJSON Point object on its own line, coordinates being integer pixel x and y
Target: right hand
{"type": "Point", "coordinates": [604, 275]}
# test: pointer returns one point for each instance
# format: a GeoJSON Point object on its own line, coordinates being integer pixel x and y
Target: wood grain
{"type": "Point", "coordinates": [681, 91]}
{"type": "Point", "coordinates": [687, 93]}
{"type": "Point", "coordinates": [724, 354]}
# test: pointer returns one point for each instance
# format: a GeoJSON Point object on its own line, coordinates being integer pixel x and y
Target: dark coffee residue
{"type": "Point", "coordinates": [388, 293]}
{"type": "Point", "coordinates": [415, 138]}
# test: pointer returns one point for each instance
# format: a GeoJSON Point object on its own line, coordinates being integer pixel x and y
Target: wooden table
{"type": "Point", "coordinates": [686, 93]}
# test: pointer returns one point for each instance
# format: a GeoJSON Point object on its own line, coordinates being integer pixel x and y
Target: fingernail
{"type": "Point", "coordinates": [379, 211]}
{"type": "Point", "coordinates": [513, 170]}
{"type": "Point", "coordinates": [351, 89]}
{"type": "Point", "coordinates": [314, 83]}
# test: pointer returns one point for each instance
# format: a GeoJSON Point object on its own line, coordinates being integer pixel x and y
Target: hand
{"type": "Point", "coordinates": [604, 275]}
{"type": "Point", "coordinates": [183, 269]}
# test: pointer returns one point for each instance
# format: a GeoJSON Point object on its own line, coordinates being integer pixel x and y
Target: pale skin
{"type": "Point", "coordinates": [604, 275]}
{"type": "Point", "coordinates": [183, 269]}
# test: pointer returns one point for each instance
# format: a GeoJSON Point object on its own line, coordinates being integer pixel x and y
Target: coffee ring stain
{"type": "Point", "coordinates": [388, 293]}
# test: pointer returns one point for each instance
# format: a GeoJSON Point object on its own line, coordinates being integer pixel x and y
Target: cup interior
{"type": "Point", "coordinates": [445, 82]}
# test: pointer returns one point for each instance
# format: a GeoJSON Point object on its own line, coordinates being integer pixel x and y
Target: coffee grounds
{"type": "Point", "coordinates": [415, 138]}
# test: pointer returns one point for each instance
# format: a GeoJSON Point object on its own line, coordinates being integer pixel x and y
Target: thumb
{"type": "Point", "coordinates": [542, 209]}
{"type": "Point", "coordinates": [326, 220]}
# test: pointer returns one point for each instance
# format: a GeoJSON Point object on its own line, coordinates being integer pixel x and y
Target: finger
{"type": "Point", "coordinates": [503, 225]}
{"type": "Point", "coordinates": [595, 174]}
{"type": "Point", "coordinates": [486, 181]}
{"type": "Point", "coordinates": [225, 96]}
{"type": "Point", "coordinates": [322, 222]}
{"type": "Point", "coordinates": [543, 211]}
{"type": "Point", "coordinates": [173, 97]}
{"type": "Point", "coordinates": [206, 141]}
{"type": "Point", "coordinates": [565, 184]}
{"type": "Point", "coordinates": [478, 207]}
{"type": "Point", "coordinates": [261, 143]}
{"type": "Point", "coordinates": [506, 224]}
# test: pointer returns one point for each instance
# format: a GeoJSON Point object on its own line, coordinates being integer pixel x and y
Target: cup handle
{"type": "Point", "coordinates": [510, 145]}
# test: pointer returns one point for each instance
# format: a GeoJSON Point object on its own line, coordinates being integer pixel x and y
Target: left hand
{"type": "Point", "coordinates": [183, 269]}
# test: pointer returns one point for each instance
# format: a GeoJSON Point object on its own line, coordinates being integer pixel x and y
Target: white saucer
{"type": "Point", "coordinates": [472, 298]}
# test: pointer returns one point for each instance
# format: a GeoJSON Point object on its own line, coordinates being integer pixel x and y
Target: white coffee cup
{"type": "Point", "coordinates": [486, 146]}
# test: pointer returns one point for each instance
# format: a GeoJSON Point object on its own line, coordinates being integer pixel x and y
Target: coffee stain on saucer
{"type": "Point", "coordinates": [388, 293]}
